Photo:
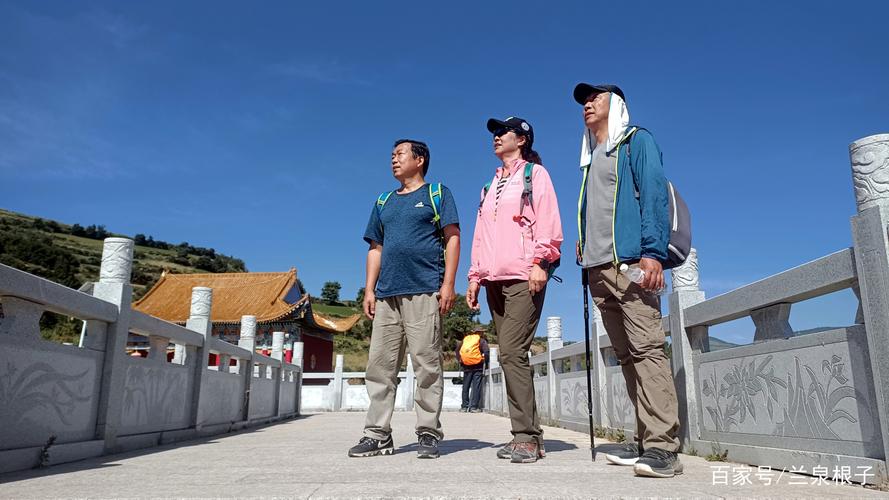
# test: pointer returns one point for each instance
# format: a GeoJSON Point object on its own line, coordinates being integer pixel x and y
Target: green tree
{"type": "Point", "coordinates": [458, 321]}
{"type": "Point", "coordinates": [359, 299]}
{"type": "Point", "coordinates": [331, 291]}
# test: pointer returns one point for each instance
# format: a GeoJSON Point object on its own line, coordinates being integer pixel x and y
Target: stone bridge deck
{"type": "Point", "coordinates": [306, 458]}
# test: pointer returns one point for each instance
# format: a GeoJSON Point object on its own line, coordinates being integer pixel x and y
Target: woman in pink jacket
{"type": "Point", "coordinates": [517, 237]}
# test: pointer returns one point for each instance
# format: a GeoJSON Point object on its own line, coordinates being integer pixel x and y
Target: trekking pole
{"type": "Point", "coordinates": [584, 281]}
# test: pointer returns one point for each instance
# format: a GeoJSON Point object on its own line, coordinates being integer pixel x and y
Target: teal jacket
{"type": "Point", "coordinates": [641, 224]}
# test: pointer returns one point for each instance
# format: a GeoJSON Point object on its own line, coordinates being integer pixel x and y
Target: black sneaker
{"type": "Point", "coordinates": [427, 446]}
{"type": "Point", "coordinates": [464, 410]}
{"type": "Point", "coordinates": [475, 410]}
{"type": "Point", "coordinates": [628, 455]}
{"type": "Point", "coordinates": [370, 447]}
{"type": "Point", "coordinates": [656, 462]}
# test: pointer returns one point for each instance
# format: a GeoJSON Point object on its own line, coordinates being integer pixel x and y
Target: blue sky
{"type": "Point", "coordinates": [264, 131]}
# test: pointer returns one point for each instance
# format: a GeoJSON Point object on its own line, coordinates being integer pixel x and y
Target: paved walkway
{"type": "Point", "coordinates": [306, 458]}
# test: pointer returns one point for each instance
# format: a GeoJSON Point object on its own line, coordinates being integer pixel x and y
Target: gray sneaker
{"type": "Point", "coordinates": [506, 451]}
{"type": "Point", "coordinates": [656, 462]}
{"type": "Point", "coordinates": [525, 453]}
{"type": "Point", "coordinates": [627, 455]}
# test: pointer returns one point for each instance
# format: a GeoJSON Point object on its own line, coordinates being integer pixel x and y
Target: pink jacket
{"type": "Point", "coordinates": [504, 246]}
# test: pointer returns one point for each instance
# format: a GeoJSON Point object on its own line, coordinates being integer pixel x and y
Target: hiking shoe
{"type": "Point", "coordinates": [427, 446]}
{"type": "Point", "coordinates": [656, 462]}
{"type": "Point", "coordinates": [464, 410]}
{"type": "Point", "coordinates": [628, 455]}
{"type": "Point", "coordinates": [506, 451]}
{"type": "Point", "coordinates": [475, 410]}
{"type": "Point", "coordinates": [525, 453]}
{"type": "Point", "coordinates": [369, 447]}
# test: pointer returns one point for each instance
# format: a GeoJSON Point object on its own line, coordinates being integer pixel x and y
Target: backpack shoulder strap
{"type": "Point", "coordinates": [527, 189]}
{"type": "Point", "coordinates": [381, 202]}
{"type": "Point", "coordinates": [435, 198]}
{"type": "Point", "coordinates": [383, 198]}
{"type": "Point", "coordinates": [485, 189]}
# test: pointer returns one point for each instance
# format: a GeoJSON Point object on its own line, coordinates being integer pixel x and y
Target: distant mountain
{"type": "Point", "coordinates": [816, 330]}
{"type": "Point", "coordinates": [717, 344]}
{"type": "Point", "coordinates": [71, 254]}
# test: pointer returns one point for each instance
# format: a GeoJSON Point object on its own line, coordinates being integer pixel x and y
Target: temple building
{"type": "Point", "coordinates": [275, 300]}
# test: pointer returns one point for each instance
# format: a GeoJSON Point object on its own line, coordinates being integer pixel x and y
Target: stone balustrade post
{"type": "Point", "coordinates": [685, 342]}
{"type": "Point", "coordinates": [409, 383]}
{"type": "Point", "coordinates": [870, 176]}
{"type": "Point", "coordinates": [278, 373]}
{"type": "Point", "coordinates": [553, 341]}
{"type": "Point", "coordinates": [493, 362]}
{"type": "Point", "coordinates": [247, 340]}
{"type": "Point", "coordinates": [338, 383]}
{"type": "Point", "coordinates": [298, 352]}
{"type": "Point", "coordinates": [113, 286]}
{"type": "Point", "coordinates": [597, 356]}
{"type": "Point", "coordinates": [197, 356]}
{"type": "Point", "coordinates": [278, 346]}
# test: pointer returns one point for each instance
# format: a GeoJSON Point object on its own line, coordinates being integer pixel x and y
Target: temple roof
{"type": "Point", "coordinates": [234, 295]}
{"type": "Point", "coordinates": [332, 323]}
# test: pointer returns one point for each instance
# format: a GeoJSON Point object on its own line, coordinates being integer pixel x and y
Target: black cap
{"type": "Point", "coordinates": [520, 125]}
{"type": "Point", "coordinates": [584, 90]}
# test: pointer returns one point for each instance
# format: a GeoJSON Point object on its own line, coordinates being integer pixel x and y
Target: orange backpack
{"type": "Point", "coordinates": [470, 351]}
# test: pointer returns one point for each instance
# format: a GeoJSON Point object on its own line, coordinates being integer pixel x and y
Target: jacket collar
{"type": "Point", "coordinates": [511, 168]}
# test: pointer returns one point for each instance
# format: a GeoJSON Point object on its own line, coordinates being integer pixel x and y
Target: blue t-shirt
{"type": "Point", "coordinates": [412, 253]}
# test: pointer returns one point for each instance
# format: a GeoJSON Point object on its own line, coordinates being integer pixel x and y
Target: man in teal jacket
{"type": "Point", "coordinates": [623, 223]}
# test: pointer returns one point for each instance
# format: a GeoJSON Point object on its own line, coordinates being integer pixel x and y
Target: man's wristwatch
{"type": "Point", "coordinates": [544, 264]}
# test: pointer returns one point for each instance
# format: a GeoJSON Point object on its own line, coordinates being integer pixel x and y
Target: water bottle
{"type": "Point", "coordinates": [636, 275]}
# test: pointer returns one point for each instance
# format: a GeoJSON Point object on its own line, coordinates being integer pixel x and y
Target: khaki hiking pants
{"type": "Point", "coordinates": [412, 322]}
{"type": "Point", "coordinates": [516, 314]}
{"type": "Point", "coordinates": [632, 318]}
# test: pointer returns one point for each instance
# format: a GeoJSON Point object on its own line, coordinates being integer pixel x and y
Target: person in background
{"type": "Point", "coordinates": [473, 355]}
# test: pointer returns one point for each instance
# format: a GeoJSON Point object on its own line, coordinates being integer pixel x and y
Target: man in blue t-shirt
{"type": "Point", "coordinates": [411, 266]}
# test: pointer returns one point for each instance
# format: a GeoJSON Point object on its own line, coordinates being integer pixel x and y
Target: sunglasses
{"type": "Point", "coordinates": [503, 131]}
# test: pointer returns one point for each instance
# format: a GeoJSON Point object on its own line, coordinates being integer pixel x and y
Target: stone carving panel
{"type": "Point", "coordinates": [786, 395]}
{"type": "Point", "coordinates": [40, 398]}
{"type": "Point", "coordinates": [619, 408]}
{"type": "Point", "coordinates": [154, 397]}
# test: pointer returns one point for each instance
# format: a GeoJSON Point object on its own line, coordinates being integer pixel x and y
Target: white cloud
{"type": "Point", "coordinates": [320, 71]}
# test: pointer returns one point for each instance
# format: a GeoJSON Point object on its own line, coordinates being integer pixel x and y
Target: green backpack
{"type": "Point", "coordinates": [435, 198]}
{"type": "Point", "coordinates": [526, 199]}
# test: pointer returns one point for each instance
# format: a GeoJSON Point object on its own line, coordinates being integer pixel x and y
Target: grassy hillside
{"type": "Point", "coordinates": [71, 255]}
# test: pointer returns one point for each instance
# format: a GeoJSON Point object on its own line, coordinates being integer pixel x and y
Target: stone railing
{"type": "Point", "coordinates": [340, 394]}
{"type": "Point", "coordinates": [60, 403]}
{"type": "Point", "coordinates": [815, 403]}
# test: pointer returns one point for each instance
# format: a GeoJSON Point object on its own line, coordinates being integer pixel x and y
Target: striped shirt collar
{"type": "Point", "coordinates": [511, 168]}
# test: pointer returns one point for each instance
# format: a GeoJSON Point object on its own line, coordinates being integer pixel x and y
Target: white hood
{"type": "Point", "coordinates": [618, 119]}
